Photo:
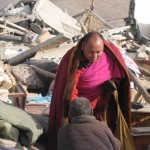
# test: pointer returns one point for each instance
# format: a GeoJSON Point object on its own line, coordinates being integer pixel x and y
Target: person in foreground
{"type": "Point", "coordinates": [82, 73]}
{"type": "Point", "coordinates": [84, 132]}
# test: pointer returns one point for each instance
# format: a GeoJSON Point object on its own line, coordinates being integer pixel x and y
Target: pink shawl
{"type": "Point", "coordinates": [90, 82]}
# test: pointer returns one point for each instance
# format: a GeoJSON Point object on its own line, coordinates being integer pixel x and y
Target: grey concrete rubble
{"type": "Point", "coordinates": [28, 22]}
{"type": "Point", "coordinates": [33, 27]}
{"type": "Point", "coordinates": [132, 50]}
{"type": "Point", "coordinates": [62, 22]}
{"type": "Point", "coordinates": [51, 43]}
{"type": "Point", "coordinates": [34, 36]}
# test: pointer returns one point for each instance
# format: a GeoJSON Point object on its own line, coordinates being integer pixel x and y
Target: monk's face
{"type": "Point", "coordinates": [93, 49]}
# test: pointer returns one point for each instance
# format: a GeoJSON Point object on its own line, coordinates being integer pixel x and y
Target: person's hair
{"type": "Point", "coordinates": [80, 106]}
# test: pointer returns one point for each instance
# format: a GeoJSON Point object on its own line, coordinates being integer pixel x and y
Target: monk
{"type": "Point", "coordinates": [83, 72]}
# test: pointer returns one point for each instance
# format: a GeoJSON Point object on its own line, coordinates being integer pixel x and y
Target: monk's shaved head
{"type": "Point", "coordinates": [93, 47]}
{"type": "Point", "coordinates": [95, 39]}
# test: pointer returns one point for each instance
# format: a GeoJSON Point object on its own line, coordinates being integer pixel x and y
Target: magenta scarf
{"type": "Point", "coordinates": [90, 82]}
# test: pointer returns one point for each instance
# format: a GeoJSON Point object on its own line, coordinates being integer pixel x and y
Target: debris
{"type": "Point", "coordinates": [59, 21]}
{"type": "Point", "coordinates": [91, 21]}
{"type": "Point", "coordinates": [83, 27]}
{"type": "Point", "coordinates": [18, 96]}
{"type": "Point", "coordinates": [45, 73]}
{"type": "Point", "coordinates": [12, 30]}
{"type": "Point", "coordinates": [27, 76]}
{"type": "Point", "coordinates": [140, 87]}
{"type": "Point", "coordinates": [142, 55]}
{"type": "Point", "coordinates": [144, 71]}
{"type": "Point", "coordinates": [8, 144]}
{"type": "Point", "coordinates": [44, 35]}
{"type": "Point", "coordinates": [108, 33]}
{"type": "Point", "coordinates": [5, 81]}
{"type": "Point", "coordinates": [37, 33]}
{"type": "Point", "coordinates": [12, 25]}
{"type": "Point", "coordinates": [19, 125]}
{"type": "Point", "coordinates": [10, 38]}
{"type": "Point", "coordinates": [51, 43]}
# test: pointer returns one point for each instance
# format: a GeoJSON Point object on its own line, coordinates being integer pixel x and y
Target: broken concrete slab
{"type": "Point", "coordinates": [13, 11]}
{"type": "Point", "coordinates": [21, 18]}
{"type": "Point", "coordinates": [142, 55]}
{"type": "Point", "coordinates": [3, 3]}
{"type": "Point", "coordinates": [54, 17]}
{"type": "Point", "coordinates": [117, 37]}
{"type": "Point", "coordinates": [45, 35]}
{"type": "Point", "coordinates": [26, 9]}
{"type": "Point", "coordinates": [107, 33]}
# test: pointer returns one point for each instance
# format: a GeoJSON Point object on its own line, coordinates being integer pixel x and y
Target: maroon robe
{"type": "Point", "coordinates": [55, 116]}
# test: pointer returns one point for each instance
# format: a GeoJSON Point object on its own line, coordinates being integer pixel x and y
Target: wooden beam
{"type": "Point", "coordinates": [48, 44]}
{"type": "Point", "coordinates": [43, 72]}
{"type": "Point", "coordinates": [144, 71]}
{"type": "Point", "coordinates": [9, 24]}
{"type": "Point", "coordinates": [10, 38]}
{"type": "Point", "coordinates": [143, 91]}
{"type": "Point", "coordinates": [12, 30]}
{"type": "Point", "coordinates": [84, 29]}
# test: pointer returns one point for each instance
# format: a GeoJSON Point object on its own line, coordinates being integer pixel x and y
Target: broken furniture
{"type": "Point", "coordinates": [91, 21]}
{"type": "Point", "coordinates": [19, 96]}
{"type": "Point", "coordinates": [141, 137]}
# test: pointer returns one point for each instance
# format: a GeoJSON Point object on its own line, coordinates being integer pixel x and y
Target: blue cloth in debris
{"type": "Point", "coordinates": [40, 99]}
{"type": "Point", "coordinates": [5, 148]}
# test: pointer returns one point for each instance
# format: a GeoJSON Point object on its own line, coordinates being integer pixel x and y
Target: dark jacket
{"type": "Point", "coordinates": [86, 133]}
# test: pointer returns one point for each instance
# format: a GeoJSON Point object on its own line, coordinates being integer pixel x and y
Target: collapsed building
{"type": "Point", "coordinates": [32, 46]}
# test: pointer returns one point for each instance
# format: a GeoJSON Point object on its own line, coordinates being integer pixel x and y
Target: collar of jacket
{"type": "Point", "coordinates": [83, 119]}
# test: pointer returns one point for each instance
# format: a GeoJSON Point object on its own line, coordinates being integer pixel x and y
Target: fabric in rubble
{"type": "Point", "coordinates": [18, 124]}
{"type": "Point", "coordinates": [26, 75]}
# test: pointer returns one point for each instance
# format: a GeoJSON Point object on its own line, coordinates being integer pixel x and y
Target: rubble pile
{"type": "Point", "coordinates": [135, 54]}
{"type": "Point", "coordinates": [27, 28]}
{"type": "Point", "coordinates": [30, 23]}
{"type": "Point", "coordinates": [31, 31]}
